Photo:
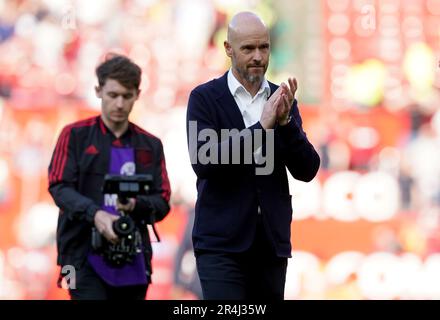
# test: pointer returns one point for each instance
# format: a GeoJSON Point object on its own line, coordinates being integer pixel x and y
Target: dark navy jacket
{"type": "Point", "coordinates": [229, 194]}
{"type": "Point", "coordinates": [76, 176]}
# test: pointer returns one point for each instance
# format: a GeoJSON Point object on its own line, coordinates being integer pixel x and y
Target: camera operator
{"type": "Point", "coordinates": [85, 153]}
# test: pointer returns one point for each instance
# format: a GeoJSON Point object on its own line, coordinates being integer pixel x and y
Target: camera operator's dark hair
{"type": "Point", "coordinates": [121, 69]}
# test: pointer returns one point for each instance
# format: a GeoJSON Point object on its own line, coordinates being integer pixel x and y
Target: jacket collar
{"type": "Point", "coordinates": [105, 130]}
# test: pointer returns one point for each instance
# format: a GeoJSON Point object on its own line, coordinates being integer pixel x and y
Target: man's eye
{"type": "Point", "coordinates": [128, 96]}
{"type": "Point", "coordinates": [112, 95]}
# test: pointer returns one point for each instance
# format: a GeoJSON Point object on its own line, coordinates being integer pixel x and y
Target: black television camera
{"type": "Point", "coordinates": [130, 239]}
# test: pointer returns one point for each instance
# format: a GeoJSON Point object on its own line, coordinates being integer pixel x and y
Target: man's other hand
{"type": "Point", "coordinates": [288, 97]}
{"type": "Point", "coordinates": [104, 224]}
{"type": "Point", "coordinates": [269, 114]}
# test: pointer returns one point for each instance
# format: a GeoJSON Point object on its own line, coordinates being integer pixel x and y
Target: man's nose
{"type": "Point", "coordinates": [257, 55]}
{"type": "Point", "coordinates": [119, 102]}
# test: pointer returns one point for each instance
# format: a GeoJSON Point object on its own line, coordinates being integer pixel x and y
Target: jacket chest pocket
{"type": "Point", "coordinates": [144, 158]}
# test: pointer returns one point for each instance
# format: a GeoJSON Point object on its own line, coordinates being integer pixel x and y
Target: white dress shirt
{"type": "Point", "coordinates": [250, 108]}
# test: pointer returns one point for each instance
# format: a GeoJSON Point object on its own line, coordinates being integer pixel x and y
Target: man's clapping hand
{"type": "Point", "coordinates": [278, 106]}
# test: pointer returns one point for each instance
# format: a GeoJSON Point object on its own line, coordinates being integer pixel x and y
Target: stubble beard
{"type": "Point", "coordinates": [253, 79]}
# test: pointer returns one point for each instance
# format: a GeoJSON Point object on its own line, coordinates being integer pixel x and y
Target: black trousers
{"type": "Point", "coordinates": [256, 274]}
{"type": "Point", "coordinates": [89, 286]}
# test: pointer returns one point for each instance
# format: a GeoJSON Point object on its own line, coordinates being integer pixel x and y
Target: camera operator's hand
{"type": "Point", "coordinates": [104, 224]}
{"type": "Point", "coordinates": [126, 207]}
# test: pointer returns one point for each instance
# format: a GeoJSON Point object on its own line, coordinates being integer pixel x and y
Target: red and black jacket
{"type": "Point", "coordinates": [76, 175]}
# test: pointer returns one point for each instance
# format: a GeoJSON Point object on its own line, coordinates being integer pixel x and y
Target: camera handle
{"type": "Point", "coordinates": [122, 199]}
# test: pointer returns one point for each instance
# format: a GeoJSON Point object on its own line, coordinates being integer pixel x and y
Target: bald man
{"type": "Point", "coordinates": [238, 125]}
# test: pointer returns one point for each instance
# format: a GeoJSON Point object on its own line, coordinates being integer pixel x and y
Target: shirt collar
{"type": "Point", "coordinates": [234, 85]}
{"type": "Point", "coordinates": [105, 130]}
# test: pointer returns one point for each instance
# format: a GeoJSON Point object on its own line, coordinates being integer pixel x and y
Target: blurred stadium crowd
{"type": "Point", "coordinates": [367, 227]}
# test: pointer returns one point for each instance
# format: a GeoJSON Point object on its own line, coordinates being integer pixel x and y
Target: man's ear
{"type": "Point", "coordinates": [228, 48]}
{"type": "Point", "coordinates": [138, 94]}
{"type": "Point", "coordinates": [98, 91]}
